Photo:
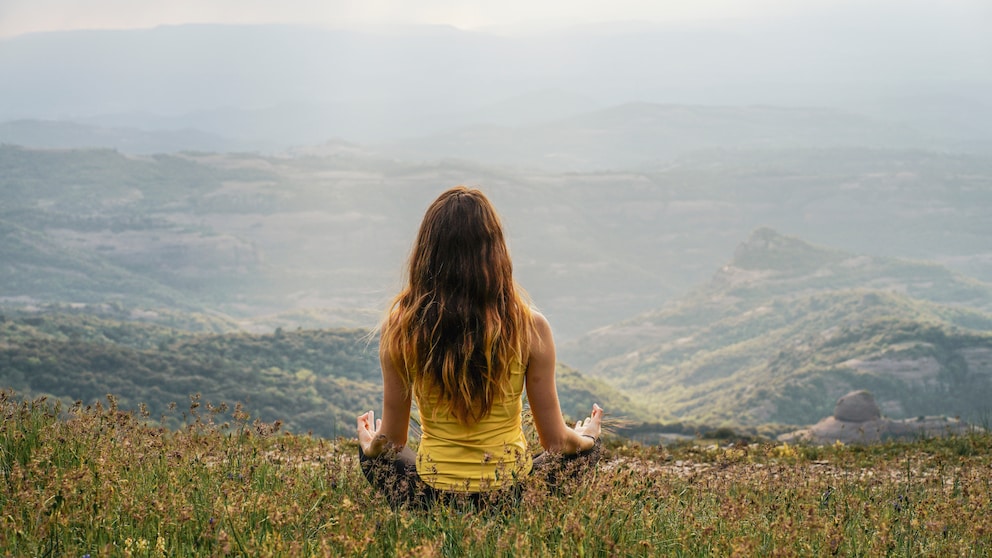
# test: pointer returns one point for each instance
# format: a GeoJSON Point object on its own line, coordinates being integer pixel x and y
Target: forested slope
{"type": "Point", "coordinates": [310, 380]}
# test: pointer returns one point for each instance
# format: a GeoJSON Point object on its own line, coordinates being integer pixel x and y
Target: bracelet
{"type": "Point", "coordinates": [593, 438]}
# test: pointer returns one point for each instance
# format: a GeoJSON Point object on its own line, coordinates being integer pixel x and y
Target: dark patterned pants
{"type": "Point", "coordinates": [394, 474]}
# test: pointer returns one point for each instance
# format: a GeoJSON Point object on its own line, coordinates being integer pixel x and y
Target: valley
{"type": "Point", "coordinates": [849, 268]}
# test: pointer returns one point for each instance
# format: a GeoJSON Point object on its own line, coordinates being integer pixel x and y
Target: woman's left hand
{"type": "Point", "coordinates": [592, 425]}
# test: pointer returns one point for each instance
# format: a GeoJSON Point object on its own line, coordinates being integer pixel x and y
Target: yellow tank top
{"type": "Point", "coordinates": [477, 458]}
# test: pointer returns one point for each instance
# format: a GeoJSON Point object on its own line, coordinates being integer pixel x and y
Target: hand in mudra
{"type": "Point", "coordinates": [369, 439]}
{"type": "Point", "coordinates": [592, 425]}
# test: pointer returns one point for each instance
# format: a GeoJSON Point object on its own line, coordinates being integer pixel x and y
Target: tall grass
{"type": "Point", "coordinates": [98, 481]}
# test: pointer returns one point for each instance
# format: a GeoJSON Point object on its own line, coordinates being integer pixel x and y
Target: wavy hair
{"type": "Point", "coordinates": [461, 321]}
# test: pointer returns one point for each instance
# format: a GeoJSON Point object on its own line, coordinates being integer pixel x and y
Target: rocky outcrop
{"type": "Point", "coordinates": [857, 419]}
{"type": "Point", "coordinates": [857, 406]}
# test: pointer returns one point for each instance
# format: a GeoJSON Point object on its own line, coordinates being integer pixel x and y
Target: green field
{"type": "Point", "coordinates": [97, 481]}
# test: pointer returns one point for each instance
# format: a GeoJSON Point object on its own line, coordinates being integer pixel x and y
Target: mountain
{"type": "Point", "coordinates": [769, 266]}
{"type": "Point", "coordinates": [639, 135]}
{"type": "Point", "coordinates": [549, 130]}
{"type": "Point", "coordinates": [310, 380]}
{"type": "Point", "coordinates": [70, 135]}
{"type": "Point", "coordinates": [531, 107]}
{"type": "Point", "coordinates": [786, 328]}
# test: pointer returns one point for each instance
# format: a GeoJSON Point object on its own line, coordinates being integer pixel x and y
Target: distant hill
{"type": "Point", "coordinates": [769, 266]}
{"type": "Point", "coordinates": [90, 227]}
{"type": "Point", "coordinates": [639, 135]}
{"type": "Point", "coordinates": [310, 380]}
{"type": "Point", "coordinates": [72, 135]}
{"type": "Point", "coordinates": [550, 130]}
{"type": "Point", "coordinates": [39, 269]}
{"type": "Point", "coordinates": [786, 328]}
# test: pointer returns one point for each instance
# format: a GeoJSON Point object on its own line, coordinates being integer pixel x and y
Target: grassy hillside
{"type": "Point", "coordinates": [101, 482]}
{"type": "Point", "coordinates": [786, 328]}
{"type": "Point", "coordinates": [310, 380]}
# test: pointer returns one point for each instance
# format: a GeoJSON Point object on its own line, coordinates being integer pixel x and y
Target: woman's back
{"type": "Point", "coordinates": [477, 457]}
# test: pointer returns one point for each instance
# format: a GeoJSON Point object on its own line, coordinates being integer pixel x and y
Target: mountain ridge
{"type": "Point", "coordinates": [768, 263]}
{"type": "Point", "coordinates": [776, 343]}
{"type": "Point", "coordinates": [637, 135]}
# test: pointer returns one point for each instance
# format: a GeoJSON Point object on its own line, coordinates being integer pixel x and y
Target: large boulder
{"type": "Point", "coordinates": [857, 406]}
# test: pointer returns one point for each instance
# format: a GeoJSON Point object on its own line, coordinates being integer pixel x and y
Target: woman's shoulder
{"type": "Point", "coordinates": [542, 337]}
{"type": "Point", "coordinates": [389, 330]}
{"type": "Point", "coordinates": [539, 322]}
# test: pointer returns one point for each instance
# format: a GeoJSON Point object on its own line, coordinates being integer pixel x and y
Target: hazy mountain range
{"type": "Point", "coordinates": [271, 85]}
{"type": "Point", "coordinates": [219, 243]}
{"type": "Point", "coordinates": [727, 223]}
{"type": "Point", "coordinates": [633, 136]}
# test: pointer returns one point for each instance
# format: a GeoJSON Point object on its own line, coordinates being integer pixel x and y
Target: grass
{"type": "Point", "coordinates": [98, 481]}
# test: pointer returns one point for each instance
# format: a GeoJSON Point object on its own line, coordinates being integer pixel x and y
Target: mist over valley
{"type": "Point", "coordinates": [727, 223]}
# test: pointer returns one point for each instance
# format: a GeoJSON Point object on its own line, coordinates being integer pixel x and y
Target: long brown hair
{"type": "Point", "coordinates": [461, 321]}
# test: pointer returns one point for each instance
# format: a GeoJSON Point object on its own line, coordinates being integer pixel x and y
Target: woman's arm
{"type": "Point", "coordinates": [375, 436]}
{"type": "Point", "coordinates": [554, 434]}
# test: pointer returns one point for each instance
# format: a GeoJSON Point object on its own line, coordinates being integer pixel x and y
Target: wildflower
{"type": "Point", "coordinates": [734, 454]}
{"type": "Point", "coordinates": [785, 450]}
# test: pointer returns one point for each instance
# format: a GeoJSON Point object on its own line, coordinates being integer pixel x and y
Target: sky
{"type": "Point", "coordinates": [772, 51]}
{"type": "Point", "coordinates": [24, 16]}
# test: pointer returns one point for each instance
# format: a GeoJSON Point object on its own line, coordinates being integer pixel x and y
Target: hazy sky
{"type": "Point", "coordinates": [23, 16]}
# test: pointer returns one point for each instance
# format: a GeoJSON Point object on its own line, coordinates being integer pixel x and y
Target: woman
{"type": "Point", "coordinates": [462, 340]}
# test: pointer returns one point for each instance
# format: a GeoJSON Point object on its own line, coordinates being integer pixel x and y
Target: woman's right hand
{"type": "Point", "coordinates": [592, 425]}
{"type": "Point", "coordinates": [369, 438]}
